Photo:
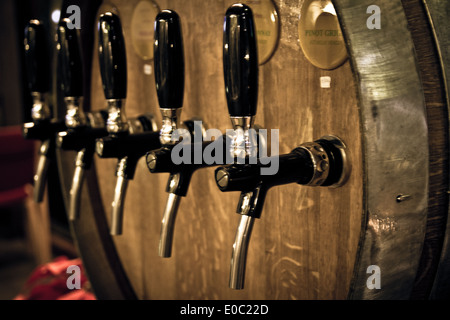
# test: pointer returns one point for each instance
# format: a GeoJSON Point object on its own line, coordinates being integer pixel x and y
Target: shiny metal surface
{"type": "Point", "coordinates": [395, 147]}
{"type": "Point", "coordinates": [170, 123]}
{"type": "Point", "coordinates": [243, 142]}
{"type": "Point", "coordinates": [320, 36]}
{"type": "Point", "coordinates": [239, 253]}
{"type": "Point", "coordinates": [40, 110]}
{"type": "Point", "coordinates": [117, 119]}
{"type": "Point", "coordinates": [119, 201]}
{"type": "Point", "coordinates": [75, 116]}
{"type": "Point", "coordinates": [439, 14]}
{"type": "Point", "coordinates": [41, 172]}
{"type": "Point", "coordinates": [75, 189]}
{"type": "Point", "coordinates": [168, 225]}
{"type": "Point", "coordinates": [346, 162]}
{"type": "Point", "coordinates": [320, 160]}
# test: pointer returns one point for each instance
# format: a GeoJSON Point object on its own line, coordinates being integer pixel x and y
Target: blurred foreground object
{"type": "Point", "coordinates": [49, 282]}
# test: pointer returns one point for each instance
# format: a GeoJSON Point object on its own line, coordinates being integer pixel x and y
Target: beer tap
{"type": "Point", "coordinates": [128, 139]}
{"type": "Point", "coordinates": [43, 127]}
{"type": "Point", "coordinates": [82, 128]}
{"type": "Point", "coordinates": [169, 77]}
{"type": "Point", "coordinates": [319, 163]}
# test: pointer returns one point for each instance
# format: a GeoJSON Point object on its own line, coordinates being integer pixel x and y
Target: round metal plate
{"type": "Point", "coordinates": [320, 35]}
{"type": "Point", "coordinates": [142, 30]}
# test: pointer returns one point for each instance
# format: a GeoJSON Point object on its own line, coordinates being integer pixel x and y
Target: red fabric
{"type": "Point", "coordinates": [12, 197]}
{"type": "Point", "coordinates": [16, 164]}
{"type": "Point", "coordinates": [49, 282]}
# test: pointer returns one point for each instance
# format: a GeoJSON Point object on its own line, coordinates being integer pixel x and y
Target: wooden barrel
{"type": "Point", "coordinates": [379, 236]}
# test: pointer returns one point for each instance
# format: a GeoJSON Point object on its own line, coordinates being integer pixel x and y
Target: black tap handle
{"type": "Point", "coordinates": [70, 63]}
{"type": "Point", "coordinates": [240, 61]}
{"type": "Point", "coordinates": [169, 60]}
{"type": "Point", "coordinates": [36, 57]}
{"type": "Point", "coordinates": [112, 56]}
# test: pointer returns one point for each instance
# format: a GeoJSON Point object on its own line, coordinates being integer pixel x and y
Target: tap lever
{"type": "Point", "coordinates": [36, 57]}
{"type": "Point", "coordinates": [240, 67]}
{"type": "Point", "coordinates": [169, 71]}
{"type": "Point", "coordinates": [112, 56]}
{"type": "Point", "coordinates": [70, 62]}
{"type": "Point", "coordinates": [37, 69]}
{"type": "Point", "coordinates": [169, 60]}
{"type": "Point", "coordinates": [240, 61]}
{"type": "Point", "coordinates": [113, 68]}
{"type": "Point", "coordinates": [71, 70]}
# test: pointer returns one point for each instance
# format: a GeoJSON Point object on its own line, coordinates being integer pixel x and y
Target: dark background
{"type": "Point", "coordinates": [16, 263]}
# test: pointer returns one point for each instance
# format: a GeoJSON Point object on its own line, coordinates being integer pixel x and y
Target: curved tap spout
{"type": "Point", "coordinates": [178, 184]}
{"type": "Point", "coordinates": [118, 205]}
{"type": "Point", "coordinates": [43, 131]}
{"type": "Point", "coordinates": [239, 252]}
{"type": "Point", "coordinates": [42, 169]}
{"type": "Point", "coordinates": [77, 183]}
{"type": "Point", "coordinates": [168, 225]}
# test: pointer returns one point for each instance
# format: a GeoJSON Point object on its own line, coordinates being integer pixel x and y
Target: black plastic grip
{"type": "Point", "coordinates": [294, 167]}
{"type": "Point", "coordinates": [240, 61]}
{"type": "Point", "coordinates": [112, 56]}
{"type": "Point", "coordinates": [69, 57]}
{"type": "Point", "coordinates": [36, 57]}
{"type": "Point", "coordinates": [169, 60]}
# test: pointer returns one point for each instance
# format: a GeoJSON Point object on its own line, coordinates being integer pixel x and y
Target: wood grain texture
{"type": "Point", "coordinates": [304, 245]}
